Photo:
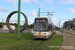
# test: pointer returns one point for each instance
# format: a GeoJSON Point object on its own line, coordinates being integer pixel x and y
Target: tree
{"type": "Point", "coordinates": [30, 26]}
{"type": "Point", "coordinates": [71, 24]}
{"type": "Point", "coordinates": [56, 28]}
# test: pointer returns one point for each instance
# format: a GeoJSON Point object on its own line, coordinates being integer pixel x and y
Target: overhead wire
{"type": "Point", "coordinates": [37, 5]}
{"type": "Point", "coordinates": [43, 3]}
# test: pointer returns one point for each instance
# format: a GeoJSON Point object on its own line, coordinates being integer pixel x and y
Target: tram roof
{"type": "Point", "coordinates": [42, 17]}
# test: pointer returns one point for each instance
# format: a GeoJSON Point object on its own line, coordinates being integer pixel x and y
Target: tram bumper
{"type": "Point", "coordinates": [41, 36]}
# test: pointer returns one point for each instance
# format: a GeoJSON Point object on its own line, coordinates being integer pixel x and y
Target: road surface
{"type": "Point", "coordinates": [68, 40]}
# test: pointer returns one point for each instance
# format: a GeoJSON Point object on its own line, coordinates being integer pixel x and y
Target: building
{"type": "Point", "coordinates": [4, 27]}
{"type": "Point", "coordinates": [69, 24]}
{"type": "Point", "coordinates": [66, 24]}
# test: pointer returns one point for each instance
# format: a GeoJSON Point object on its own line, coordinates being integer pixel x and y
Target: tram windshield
{"type": "Point", "coordinates": [40, 25]}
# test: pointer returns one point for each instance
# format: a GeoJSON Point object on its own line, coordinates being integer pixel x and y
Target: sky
{"type": "Point", "coordinates": [63, 9]}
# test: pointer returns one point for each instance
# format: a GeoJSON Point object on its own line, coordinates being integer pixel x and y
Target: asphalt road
{"type": "Point", "coordinates": [68, 40]}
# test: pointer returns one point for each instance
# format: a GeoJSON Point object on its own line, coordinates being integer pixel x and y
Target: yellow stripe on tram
{"type": "Point", "coordinates": [39, 33]}
{"type": "Point", "coordinates": [50, 33]}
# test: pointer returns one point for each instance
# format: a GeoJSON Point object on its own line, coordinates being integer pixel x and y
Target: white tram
{"type": "Point", "coordinates": [43, 27]}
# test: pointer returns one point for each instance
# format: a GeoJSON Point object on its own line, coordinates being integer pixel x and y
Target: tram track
{"type": "Point", "coordinates": [30, 44]}
{"type": "Point", "coordinates": [26, 45]}
{"type": "Point", "coordinates": [49, 42]}
{"type": "Point", "coordinates": [37, 45]}
{"type": "Point", "coordinates": [42, 42]}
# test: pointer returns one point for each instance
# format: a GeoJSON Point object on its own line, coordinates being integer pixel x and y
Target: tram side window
{"type": "Point", "coordinates": [49, 27]}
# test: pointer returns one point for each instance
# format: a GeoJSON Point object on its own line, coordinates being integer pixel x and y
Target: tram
{"type": "Point", "coordinates": [43, 27]}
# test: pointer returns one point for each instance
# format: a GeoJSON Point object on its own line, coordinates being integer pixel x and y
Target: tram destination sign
{"type": "Point", "coordinates": [40, 20]}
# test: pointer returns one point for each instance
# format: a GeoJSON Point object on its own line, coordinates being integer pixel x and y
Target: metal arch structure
{"type": "Point", "coordinates": [8, 24]}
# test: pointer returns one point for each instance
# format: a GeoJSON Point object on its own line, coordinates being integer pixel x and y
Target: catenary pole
{"type": "Point", "coordinates": [18, 29]}
{"type": "Point", "coordinates": [39, 12]}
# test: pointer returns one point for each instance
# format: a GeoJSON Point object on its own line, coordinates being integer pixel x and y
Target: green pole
{"type": "Point", "coordinates": [18, 30]}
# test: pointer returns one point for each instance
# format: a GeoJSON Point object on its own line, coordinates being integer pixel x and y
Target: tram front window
{"type": "Point", "coordinates": [40, 25]}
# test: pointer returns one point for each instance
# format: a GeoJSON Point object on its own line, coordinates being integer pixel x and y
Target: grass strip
{"type": "Point", "coordinates": [30, 47]}
{"type": "Point", "coordinates": [16, 45]}
{"type": "Point", "coordinates": [42, 46]}
{"type": "Point", "coordinates": [9, 41]}
{"type": "Point", "coordinates": [55, 43]}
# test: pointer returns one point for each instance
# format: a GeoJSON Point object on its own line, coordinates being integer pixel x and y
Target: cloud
{"type": "Point", "coordinates": [42, 5]}
{"type": "Point", "coordinates": [25, 0]}
{"type": "Point", "coordinates": [13, 2]}
{"type": "Point", "coordinates": [34, 0]}
{"type": "Point", "coordinates": [33, 13]}
{"type": "Point", "coordinates": [28, 13]}
{"type": "Point", "coordinates": [13, 21]}
{"type": "Point", "coordinates": [3, 10]}
{"type": "Point", "coordinates": [0, 20]}
{"type": "Point", "coordinates": [53, 19]}
{"type": "Point", "coordinates": [30, 22]}
{"type": "Point", "coordinates": [56, 24]}
{"type": "Point", "coordinates": [49, 1]}
{"type": "Point", "coordinates": [64, 19]}
{"type": "Point", "coordinates": [68, 1]}
{"type": "Point", "coordinates": [14, 16]}
{"type": "Point", "coordinates": [52, 7]}
{"type": "Point", "coordinates": [22, 22]}
{"type": "Point", "coordinates": [28, 0]}
{"type": "Point", "coordinates": [71, 10]}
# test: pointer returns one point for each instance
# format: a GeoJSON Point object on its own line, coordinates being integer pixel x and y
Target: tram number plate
{"type": "Point", "coordinates": [39, 33]}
